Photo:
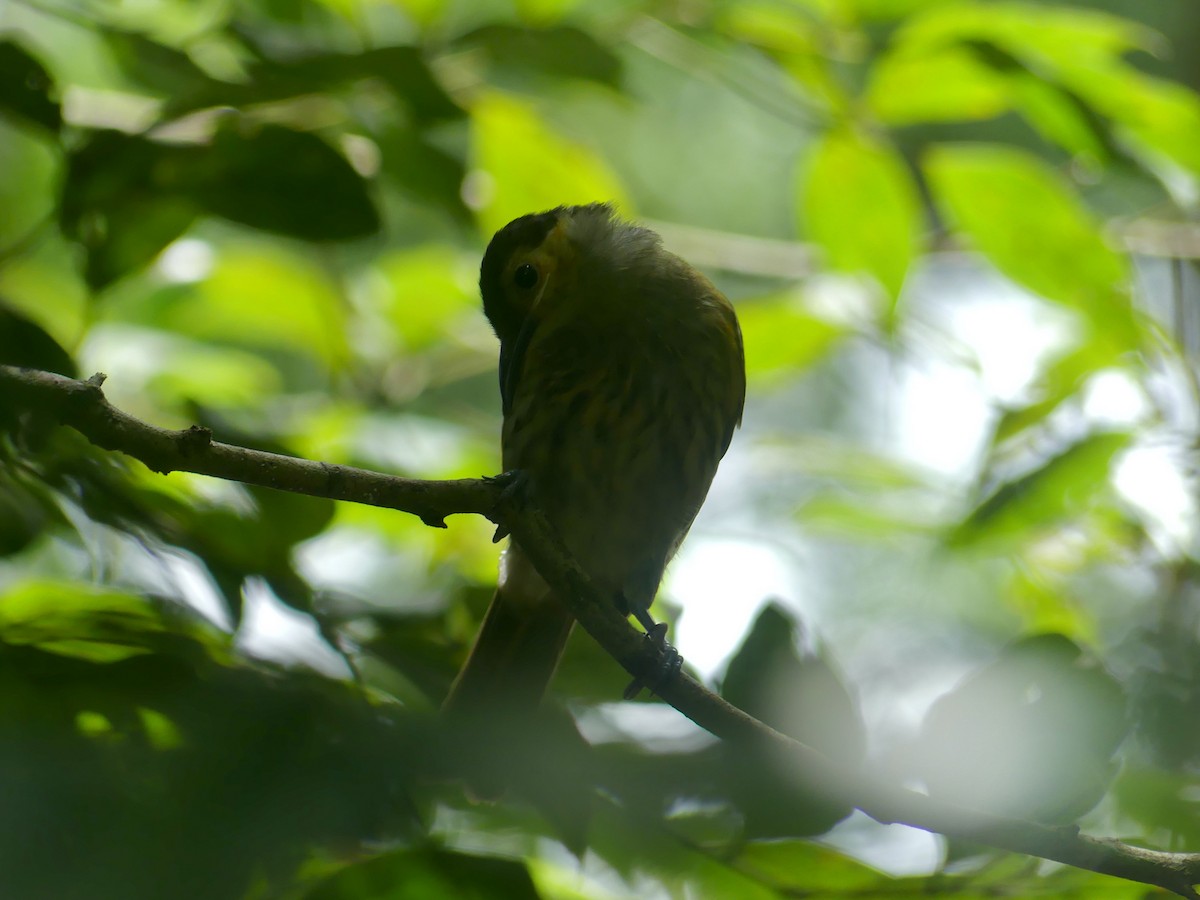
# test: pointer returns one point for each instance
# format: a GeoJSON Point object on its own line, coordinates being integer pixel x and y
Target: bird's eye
{"type": "Point", "coordinates": [525, 276]}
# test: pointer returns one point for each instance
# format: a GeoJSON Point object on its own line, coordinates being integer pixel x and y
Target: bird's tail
{"type": "Point", "coordinates": [493, 702]}
{"type": "Point", "coordinates": [514, 657]}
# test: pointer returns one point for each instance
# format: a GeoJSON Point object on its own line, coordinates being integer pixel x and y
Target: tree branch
{"type": "Point", "coordinates": [82, 406]}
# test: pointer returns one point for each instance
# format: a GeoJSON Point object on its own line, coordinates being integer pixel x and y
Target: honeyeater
{"type": "Point", "coordinates": [622, 379]}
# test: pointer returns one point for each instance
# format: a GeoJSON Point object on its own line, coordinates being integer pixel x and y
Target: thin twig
{"type": "Point", "coordinates": [82, 405]}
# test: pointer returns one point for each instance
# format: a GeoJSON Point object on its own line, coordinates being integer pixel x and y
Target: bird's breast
{"type": "Point", "coordinates": [621, 443]}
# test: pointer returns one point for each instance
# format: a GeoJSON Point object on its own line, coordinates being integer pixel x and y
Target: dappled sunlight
{"type": "Point", "coordinates": [721, 584]}
{"type": "Point", "coordinates": [274, 631]}
{"type": "Point", "coordinates": [896, 849]}
{"type": "Point", "coordinates": [1153, 479]}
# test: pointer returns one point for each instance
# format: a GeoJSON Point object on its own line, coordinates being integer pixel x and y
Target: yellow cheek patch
{"type": "Point", "coordinates": [557, 245]}
{"type": "Point", "coordinates": [554, 258]}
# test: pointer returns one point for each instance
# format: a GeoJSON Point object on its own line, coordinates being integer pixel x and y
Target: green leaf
{"type": "Point", "coordinates": [1046, 604]}
{"type": "Point", "coordinates": [528, 167]}
{"type": "Point", "coordinates": [26, 87]}
{"type": "Point", "coordinates": [155, 67]}
{"type": "Point", "coordinates": [429, 289]}
{"type": "Point", "coordinates": [1063, 117]}
{"type": "Point", "coordinates": [123, 203]}
{"type": "Point", "coordinates": [74, 620]}
{"type": "Point", "coordinates": [884, 10]}
{"type": "Point", "coordinates": [402, 70]}
{"type": "Point", "coordinates": [26, 507]}
{"type": "Point", "coordinates": [200, 372]}
{"type": "Point", "coordinates": [285, 519]}
{"type": "Point", "coordinates": [422, 169]}
{"type": "Point", "coordinates": [859, 203]}
{"type": "Point", "coordinates": [947, 85]}
{"type": "Point", "coordinates": [280, 180]}
{"type": "Point", "coordinates": [1163, 799]}
{"type": "Point", "coordinates": [1030, 735]}
{"type": "Point", "coordinates": [858, 517]}
{"type": "Point", "coordinates": [1161, 116]}
{"type": "Point", "coordinates": [1078, 52]}
{"type": "Point", "coordinates": [558, 52]}
{"type": "Point", "coordinates": [807, 868]}
{"type": "Point", "coordinates": [420, 874]}
{"type": "Point", "coordinates": [1063, 487]}
{"type": "Point", "coordinates": [1032, 226]}
{"type": "Point", "coordinates": [23, 342]}
{"type": "Point", "coordinates": [779, 29]}
{"type": "Point", "coordinates": [838, 460]}
{"type": "Point", "coordinates": [782, 339]}
{"type": "Point", "coordinates": [1060, 380]}
{"type": "Point", "coordinates": [128, 197]}
{"type": "Point", "coordinates": [801, 695]}
{"type": "Point", "coordinates": [263, 296]}
{"type": "Point", "coordinates": [1051, 35]}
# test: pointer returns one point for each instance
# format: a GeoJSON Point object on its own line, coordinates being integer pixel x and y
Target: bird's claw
{"type": "Point", "coordinates": [505, 479]}
{"type": "Point", "coordinates": [512, 486]}
{"type": "Point", "coordinates": [668, 666]}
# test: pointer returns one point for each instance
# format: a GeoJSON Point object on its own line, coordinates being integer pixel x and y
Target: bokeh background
{"type": "Point", "coordinates": [955, 538]}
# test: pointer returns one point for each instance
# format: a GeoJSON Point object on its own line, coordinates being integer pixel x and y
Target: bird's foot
{"type": "Point", "coordinates": [669, 661]}
{"type": "Point", "coordinates": [512, 484]}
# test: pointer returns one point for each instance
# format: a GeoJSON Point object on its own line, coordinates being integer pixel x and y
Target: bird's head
{"type": "Point", "coordinates": [540, 262]}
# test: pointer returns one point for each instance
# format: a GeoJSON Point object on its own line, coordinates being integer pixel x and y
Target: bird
{"type": "Point", "coordinates": [622, 380]}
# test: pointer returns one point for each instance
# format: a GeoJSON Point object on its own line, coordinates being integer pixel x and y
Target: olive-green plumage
{"type": "Point", "coordinates": [622, 380]}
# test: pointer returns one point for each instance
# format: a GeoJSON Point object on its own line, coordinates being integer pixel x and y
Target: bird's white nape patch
{"type": "Point", "coordinates": [622, 245]}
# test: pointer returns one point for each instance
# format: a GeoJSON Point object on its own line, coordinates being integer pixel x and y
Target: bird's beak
{"type": "Point", "coordinates": [515, 355]}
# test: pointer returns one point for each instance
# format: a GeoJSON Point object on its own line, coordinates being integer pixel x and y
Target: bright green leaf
{"type": "Point", "coordinates": [859, 203]}
{"type": "Point", "coordinates": [48, 293]}
{"type": "Point", "coordinates": [75, 620]}
{"type": "Point", "coordinates": [419, 874]}
{"type": "Point", "coordinates": [839, 515]}
{"type": "Point", "coordinates": [46, 602]}
{"type": "Point", "coordinates": [93, 724]}
{"type": "Point", "coordinates": [949, 85]}
{"type": "Point", "coordinates": [541, 12]}
{"type": "Point", "coordinates": [160, 731]}
{"type": "Point", "coordinates": [781, 339]}
{"type": "Point", "coordinates": [524, 166]}
{"type": "Point", "coordinates": [217, 376]}
{"type": "Point", "coordinates": [1060, 117]}
{"type": "Point", "coordinates": [884, 10]}
{"type": "Point", "coordinates": [774, 27]}
{"type": "Point", "coordinates": [1076, 50]}
{"type": "Point", "coordinates": [802, 866]}
{"type": "Point", "coordinates": [1053, 35]}
{"type": "Point", "coordinates": [1045, 607]}
{"type": "Point", "coordinates": [1162, 116]}
{"type": "Point", "coordinates": [429, 288]}
{"type": "Point", "coordinates": [1032, 226]}
{"type": "Point", "coordinates": [261, 296]}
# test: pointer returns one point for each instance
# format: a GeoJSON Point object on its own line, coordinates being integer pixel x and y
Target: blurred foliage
{"type": "Point", "coordinates": [960, 236]}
